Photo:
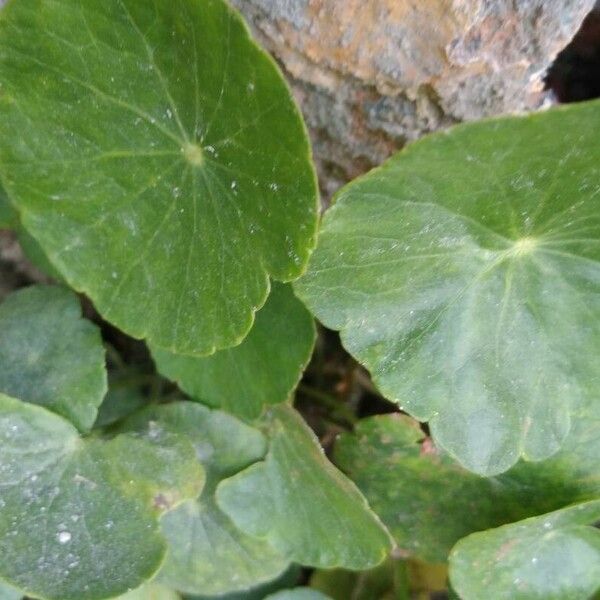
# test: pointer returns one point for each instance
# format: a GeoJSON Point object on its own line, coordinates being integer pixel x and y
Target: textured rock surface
{"type": "Point", "coordinates": [371, 75]}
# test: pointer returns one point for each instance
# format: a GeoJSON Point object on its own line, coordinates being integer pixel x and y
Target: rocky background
{"type": "Point", "coordinates": [371, 75]}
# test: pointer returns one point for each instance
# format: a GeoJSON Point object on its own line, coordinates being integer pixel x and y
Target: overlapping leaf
{"type": "Point", "coordinates": [79, 517]}
{"type": "Point", "coordinates": [207, 553]}
{"type": "Point", "coordinates": [465, 274]}
{"type": "Point", "coordinates": [428, 502]}
{"type": "Point", "coordinates": [155, 153]}
{"type": "Point", "coordinates": [262, 370]}
{"type": "Point", "coordinates": [552, 557]}
{"type": "Point", "coordinates": [301, 504]}
{"type": "Point", "coordinates": [50, 355]}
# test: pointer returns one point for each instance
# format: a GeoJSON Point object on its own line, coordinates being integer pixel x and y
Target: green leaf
{"type": "Point", "coordinates": [301, 593]}
{"type": "Point", "coordinates": [156, 154]}
{"type": "Point", "coordinates": [50, 355]}
{"type": "Point", "coordinates": [127, 390]}
{"type": "Point", "coordinates": [152, 591]}
{"type": "Point", "coordinates": [8, 217]}
{"type": "Point", "coordinates": [465, 275]}
{"type": "Point", "coordinates": [428, 502]}
{"type": "Point", "coordinates": [34, 253]}
{"type": "Point", "coordinates": [9, 593]}
{"type": "Point", "coordinates": [297, 501]}
{"type": "Point", "coordinates": [79, 517]}
{"type": "Point", "coordinates": [551, 557]}
{"type": "Point", "coordinates": [287, 579]}
{"type": "Point", "coordinates": [120, 402]}
{"type": "Point", "coordinates": [262, 370]}
{"type": "Point", "coordinates": [207, 553]}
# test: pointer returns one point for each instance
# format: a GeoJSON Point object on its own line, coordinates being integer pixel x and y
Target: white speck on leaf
{"type": "Point", "coordinates": [64, 537]}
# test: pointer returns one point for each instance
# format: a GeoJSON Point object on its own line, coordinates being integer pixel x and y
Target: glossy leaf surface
{"type": "Point", "coordinates": [262, 370]}
{"type": "Point", "coordinates": [207, 553]}
{"type": "Point", "coordinates": [301, 504]}
{"type": "Point", "coordinates": [79, 517]}
{"type": "Point", "coordinates": [465, 275]}
{"type": "Point", "coordinates": [155, 153]}
{"type": "Point", "coordinates": [50, 355]}
{"type": "Point", "coordinates": [552, 557]}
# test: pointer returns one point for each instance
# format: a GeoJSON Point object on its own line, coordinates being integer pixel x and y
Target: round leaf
{"type": "Point", "coordinates": [155, 153]}
{"type": "Point", "coordinates": [262, 370]}
{"type": "Point", "coordinates": [79, 517]}
{"type": "Point", "coordinates": [50, 355]}
{"type": "Point", "coordinates": [465, 274]}
{"type": "Point", "coordinates": [551, 557]}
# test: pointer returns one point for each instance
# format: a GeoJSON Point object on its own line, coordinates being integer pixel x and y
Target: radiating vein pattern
{"type": "Point", "coordinates": [465, 274]}
{"type": "Point", "coordinates": [156, 154]}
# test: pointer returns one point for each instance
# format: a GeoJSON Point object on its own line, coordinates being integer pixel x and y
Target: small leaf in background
{"type": "Point", "coordinates": [387, 581]}
{"type": "Point", "coordinates": [301, 504]}
{"type": "Point", "coordinates": [428, 501]}
{"type": "Point", "coordinates": [179, 178]}
{"type": "Point", "coordinates": [50, 355]}
{"type": "Point", "coordinates": [79, 517]}
{"type": "Point", "coordinates": [207, 553]}
{"type": "Point", "coordinates": [464, 274]}
{"type": "Point", "coordinates": [119, 403]}
{"type": "Point", "coordinates": [551, 557]}
{"type": "Point", "coordinates": [395, 579]}
{"type": "Point", "coordinates": [262, 370]}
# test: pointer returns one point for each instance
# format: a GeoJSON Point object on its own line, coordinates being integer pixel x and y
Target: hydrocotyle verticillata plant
{"type": "Point", "coordinates": [153, 159]}
{"type": "Point", "coordinates": [79, 511]}
{"type": "Point", "coordinates": [154, 152]}
{"type": "Point", "coordinates": [465, 275]}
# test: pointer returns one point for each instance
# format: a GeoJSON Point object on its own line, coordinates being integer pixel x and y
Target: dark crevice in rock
{"type": "Point", "coordinates": [575, 74]}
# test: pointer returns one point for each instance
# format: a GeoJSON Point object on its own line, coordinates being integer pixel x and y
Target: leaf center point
{"type": "Point", "coordinates": [523, 246]}
{"type": "Point", "coordinates": [194, 154]}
